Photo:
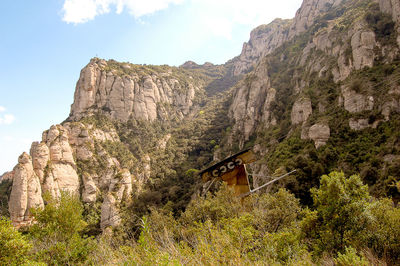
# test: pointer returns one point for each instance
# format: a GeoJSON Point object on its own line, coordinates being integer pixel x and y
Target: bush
{"type": "Point", "coordinates": [341, 217]}
{"type": "Point", "coordinates": [14, 248]}
{"type": "Point", "coordinates": [350, 258]}
{"type": "Point", "coordinates": [384, 229]}
{"type": "Point", "coordinates": [57, 234]}
{"type": "Point", "coordinates": [5, 191]}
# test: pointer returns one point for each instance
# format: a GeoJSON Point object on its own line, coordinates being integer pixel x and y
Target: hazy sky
{"type": "Point", "coordinates": [44, 45]}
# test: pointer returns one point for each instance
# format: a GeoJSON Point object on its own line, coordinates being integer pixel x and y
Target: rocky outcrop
{"type": "Point", "coordinates": [7, 176]}
{"type": "Point", "coordinates": [268, 117]}
{"type": "Point", "coordinates": [358, 124]}
{"type": "Point", "coordinates": [391, 7]}
{"type": "Point", "coordinates": [109, 212]}
{"type": "Point", "coordinates": [355, 102]}
{"type": "Point", "coordinates": [247, 107]}
{"type": "Point", "coordinates": [308, 12]}
{"type": "Point", "coordinates": [263, 40]}
{"type": "Point", "coordinates": [301, 110]}
{"type": "Point", "coordinates": [393, 105]}
{"type": "Point", "coordinates": [320, 134]}
{"type": "Point", "coordinates": [363, 43]}
{"type": "Point", "coordinates": [52, 168]}
{"type": "Point", "coordinates": [54, 155]}
{"type": "Point", "coordinates": [26, 191]}
{"type": "Point", "coordinates": [128, 91]}
{"type": "Point", "coordinates": [266, 38]}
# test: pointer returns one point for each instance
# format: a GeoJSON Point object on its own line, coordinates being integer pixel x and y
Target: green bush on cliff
{"type": "Point", "coordinates": [5, 191]}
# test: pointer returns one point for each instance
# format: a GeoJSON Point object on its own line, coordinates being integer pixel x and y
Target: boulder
{"type": "Point", "coordinates": [356, 102]}
{"type": "Point", "coordinates": [301, 110]}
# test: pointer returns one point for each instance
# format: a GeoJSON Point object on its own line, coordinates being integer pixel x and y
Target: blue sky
{"type": "Point", "coordinates": [45, 44]}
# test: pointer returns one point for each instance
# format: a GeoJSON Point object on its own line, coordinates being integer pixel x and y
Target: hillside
{"type": "Point", "coordinates": [317, 93]}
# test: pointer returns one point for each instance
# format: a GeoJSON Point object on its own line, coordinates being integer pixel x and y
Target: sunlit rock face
{"type": "Point", "coordinates": [266, 38]}
{"type": "Point", "coordinates": [126, 92]}
{"type": "Point", "coordinates": [26, 191]}
{"type": "Point", "coordinates": [52, 168]}
{"type": "Point", "coordinates": [130, 94]}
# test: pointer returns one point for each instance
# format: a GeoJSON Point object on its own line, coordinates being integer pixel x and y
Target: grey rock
{"type": "Point", "coordinates": [301, 110]}
{"type": "Point", "coordinates": [320, 134]}
{"type": "Point", "coordinates": [355, 102]}
{"type": "Point", "coordinates": [358, 124]}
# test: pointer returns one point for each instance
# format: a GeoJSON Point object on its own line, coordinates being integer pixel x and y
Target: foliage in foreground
{"type": "Point", "coordinates": [14, 247]}
{"type": "Point", "coordinates": [344, 227]}
{"type": "Point", "coordinates": [57, 236]}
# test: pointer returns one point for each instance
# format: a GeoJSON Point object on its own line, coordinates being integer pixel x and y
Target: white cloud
{"type": "Point", "coordinates": [81, 11]}
{"type": "Point", "coordinates": [217, 17]}
{"type": "Point", "coordinates": [6, 119]}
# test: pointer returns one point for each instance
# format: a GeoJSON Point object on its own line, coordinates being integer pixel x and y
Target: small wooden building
{"type": "Point", "coordinates": [232, 170]}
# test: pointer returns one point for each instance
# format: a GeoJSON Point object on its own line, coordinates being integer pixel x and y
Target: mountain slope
{"type": "Point", "coordinates": [317, 93]}
{"type": "Point", "coordinates": [337, 84]}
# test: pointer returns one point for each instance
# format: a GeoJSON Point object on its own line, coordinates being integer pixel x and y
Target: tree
{"type": "Point", "coordinates": [341, 219]}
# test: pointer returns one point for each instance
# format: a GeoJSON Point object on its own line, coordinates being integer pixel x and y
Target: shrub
{"type": "Point", "coordinates": [57, 234]}
{"type": "Point", "coordinates": [341, 217]}
{"type": "Point", "coordinates": [14, 248]}
{"type": "Point", "coordinates": [384, 229]}
{"type": "Point", "coordinates": [350, 258]}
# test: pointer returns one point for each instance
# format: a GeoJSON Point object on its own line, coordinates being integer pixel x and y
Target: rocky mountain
{"type": "Point", "coordinates": [266, 38]}
{"type": "Point", "coordinates": [329, 50]}
{"type": "Point", "coordinates": [329, 83]}
{"type": "Point", "coordinates": [123, 92]}
{"type": "Point", "coordinates": [316, 93]}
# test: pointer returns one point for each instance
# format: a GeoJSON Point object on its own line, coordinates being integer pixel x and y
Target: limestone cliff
{"type": "Point", "coordinates": [126, 91]}
{"type": "Point", "coordinates": [26, 191]}
{"type": "Point", "coordinates": [265, 38]}
{"type": "Point", "coordinates": [327, 50]}
{"type": "Point", "coordinates": [52, 168]}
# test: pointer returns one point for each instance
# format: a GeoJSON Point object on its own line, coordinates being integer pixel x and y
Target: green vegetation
{"type": "Point", "coordinates": [372, 152]}
{"type": "Point", "coordinates": [57, 236]}
{"type": "Point", "coordinates": [14, 247]}
{"type": "Point", "coordinates": [5, 191]}
{"type": "Point", "coordinates": [324, 214]}
{"type": "Point", "coordinates": [344, 225]}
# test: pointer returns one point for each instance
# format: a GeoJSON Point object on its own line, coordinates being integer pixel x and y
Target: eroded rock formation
{"type": "Point", "coordinates": [26, 191]}
{"type": "Point", "coordinates": [131, 93]}
{"type": "Point", "coordinates": [52, 168]}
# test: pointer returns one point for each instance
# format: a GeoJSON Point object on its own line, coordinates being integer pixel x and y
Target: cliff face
{"type": "Point", "coordinates": [325, 82]}
{"type": "Point", "coordinates": [126, 91]}
{"type": "Point", "coordinates": [331, 49]}
{"type": "Point", "coordinates": [52, 168]}
{"type": "Point", "coordinates": [265, 38]}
